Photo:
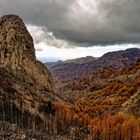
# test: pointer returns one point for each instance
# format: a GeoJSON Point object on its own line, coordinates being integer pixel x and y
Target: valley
{"type": "Point", "coordinates": [81, 99]}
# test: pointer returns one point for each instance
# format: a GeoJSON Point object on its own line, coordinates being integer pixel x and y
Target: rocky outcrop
{"type": "Point", "coordinates": [25, 84]}
{"type": "Point", "coordinates": [17, 53]}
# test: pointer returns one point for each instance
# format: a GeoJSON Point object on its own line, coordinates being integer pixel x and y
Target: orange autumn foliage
{"type": "Point", "coordinates": [109, 127]}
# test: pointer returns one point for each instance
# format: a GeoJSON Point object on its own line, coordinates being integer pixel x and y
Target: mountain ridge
{"type": "Point", "coordinates": [30, 109]}
{"type": "Point", "coordinates": [107, 87]}
{"type": "Point", "coordinates": [73, 69]}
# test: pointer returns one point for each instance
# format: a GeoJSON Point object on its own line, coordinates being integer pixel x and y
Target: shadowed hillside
{"type": "Point", "coordinates": [103, 105]}
{"type": "Point", "coordinates": [26, 87]}
{"type": "Point", "coordinates": [77, 68]}
{"type": "Point", "coordinates": [107, 103]}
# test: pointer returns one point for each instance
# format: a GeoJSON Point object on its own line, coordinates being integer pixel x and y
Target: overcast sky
{"type": "Point", "coordinates": [65, 29]}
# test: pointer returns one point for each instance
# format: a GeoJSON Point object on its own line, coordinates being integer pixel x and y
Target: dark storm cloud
{"type": "Point", "coordinates": [92, 21]}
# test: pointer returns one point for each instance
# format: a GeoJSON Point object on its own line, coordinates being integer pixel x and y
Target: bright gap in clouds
{"type": "Point", "coordinates": [49, 48]}
{"type": "Point", "coordinates": [51, 53]}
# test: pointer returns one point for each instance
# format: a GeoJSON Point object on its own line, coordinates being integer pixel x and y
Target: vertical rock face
{"type": "Point", "coordinates": [17, 53]}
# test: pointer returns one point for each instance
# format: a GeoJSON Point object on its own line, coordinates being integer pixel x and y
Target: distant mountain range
{"type": "Point", "coordinates": [102, 103]}
{"type": "Point", "coordinates": [77, 68]}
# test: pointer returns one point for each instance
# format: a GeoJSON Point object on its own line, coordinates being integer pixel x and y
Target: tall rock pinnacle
{"type": "Point", "coordinates": [17, 53]}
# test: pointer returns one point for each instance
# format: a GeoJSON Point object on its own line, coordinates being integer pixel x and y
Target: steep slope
{"type": "Point", "coordinates": [105, 103]}
{"type": "Point", "coordinates": [17, 53]}
{"type": "Point", "coordinates": [26, 86]}
{"type": "Point", "coordinates": [120, 59]}
{"type": "Point", "coordinates": [29, 109]}
{"type": "Point", "coordinates": [70, 69]}
{"type": "Point", "coordinates": [75, 69]}
{"type": "Point", "coordinates": [109, 90]}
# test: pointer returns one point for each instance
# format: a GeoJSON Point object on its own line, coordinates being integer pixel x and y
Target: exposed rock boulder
{"type": "Point", "coordinates": [17, 53]}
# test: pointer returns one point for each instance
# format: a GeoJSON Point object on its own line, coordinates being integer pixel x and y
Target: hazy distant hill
{"type": "Point", "coordinates": [77, 68]}
{"type": "Point", "coordinates": [117, 89]}
{"type": "Point", "coordinates": [106, 102]}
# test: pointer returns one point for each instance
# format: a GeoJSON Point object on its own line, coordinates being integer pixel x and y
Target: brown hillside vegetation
{"type": "Point", "coordinates": [109, 111]}
{"type": "Point", "coordinates": [128, 76]}
{"type": "Point", "coordinates": [109, 127]}
{"type": "Point", "coordinates": [102, 106]}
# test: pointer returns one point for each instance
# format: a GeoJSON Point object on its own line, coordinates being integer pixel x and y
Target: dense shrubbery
{"type": "Point", "coordinates": [109, 127]}
{"type": "Point", "coordinates": [97, 115]}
